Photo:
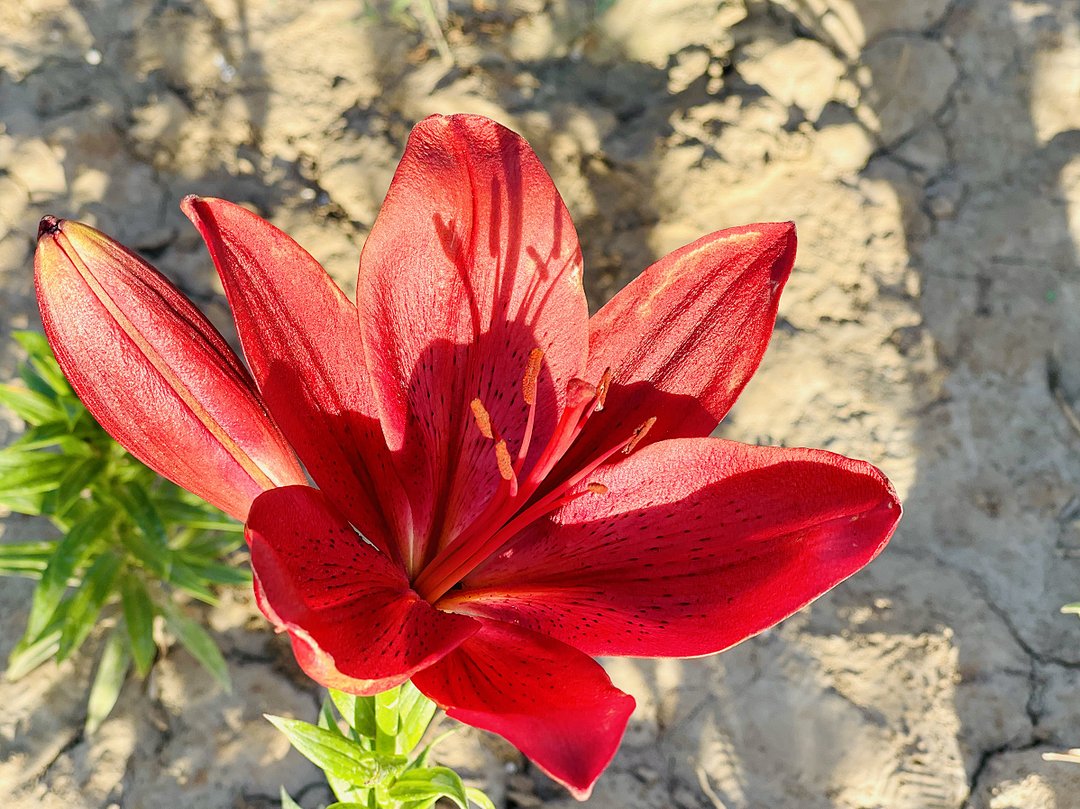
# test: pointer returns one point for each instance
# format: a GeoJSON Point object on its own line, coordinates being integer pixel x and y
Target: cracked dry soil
{"type": "Point", "coordinates": [929, 152]}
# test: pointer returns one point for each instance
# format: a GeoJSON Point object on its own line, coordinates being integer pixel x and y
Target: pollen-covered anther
{"type": "Point", "coordinates": [502, 456]}
{"type": "Point", "coordinates": [597, 488]}
{"type": "Point", "coordinates": [532, 374]}
{"type": "Point", "coordinates": [602, 390]}
{"type": "Point", "coordinates": [482, 418]}
{"type": "Point", "coordinates": [639, 433]}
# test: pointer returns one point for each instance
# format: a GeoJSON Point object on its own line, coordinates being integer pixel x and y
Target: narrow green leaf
{"type": "Point", "coordinates": [30, 406]}
{"type": "Point", "coordinates": [479, 798]}
{"type": "Point", "coordinates": [157, 559]}
{"type": "Point", "coordinates": [199, 642]}
{"type": "Point", "coordinates": [40, 356]}
{"type": "Point", "coordinates": [70, 553]}
{"type": "Point", "coordinates": [337, 755]}
{"type": "Point", "coordinates": [287, 802]}
{"type": "Point", "coordinates": [217, 572]}
{"type": "Point", "coordinates": [202, 516]}
{"type": "Point", "coordinates": [191, 582]}
{"type": "Point", "coordinates": [143, 512]}
{"type": "Point", "coordinates": [1072, 608]}
{"type": "Point", "coordinates": [111, 673]}
{"type": "Point", "coordinates": [79, 475]}
{"type": "Point", "coordinates": [139, 620]}
{"type": "Point", "coordinates": [52, 434]}
{"type": "Point", "coordinates": [24, 473]}
{"type": "Point", "coordinates": [96, 588]}
{"type": "Point", "coordinates": [416, 714]}
{"type": "Point", "coordinates": [327, 720]}
{"type": "Point", "coordinates": [26, 657]}
{"type": "Point", "coordinates": [26, 558]}
{"type": "Point", "coordinates": [432, 782]}
{"type": "Point", "coordinates": [31, 504]}
{"type": "Point", "coordinates": [387, 721]}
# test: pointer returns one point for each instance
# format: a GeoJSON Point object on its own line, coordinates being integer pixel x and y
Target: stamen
{"type": "Point", "coordinates": [482, 417]}
{"type": "Point", "coordinates": [597, 488]}
{"type": "Point", "coordinates": [532, 373]}
{"type": "Point", "coordinates": [639, 433]}
{"type": "Point", "coordinates": [602, 390]}
{"type": "Point", "coordinates": [502, 455]}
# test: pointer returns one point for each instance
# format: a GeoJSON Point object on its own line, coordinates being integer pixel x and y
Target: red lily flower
{"type": "Point", "coordinates": [507, 487]}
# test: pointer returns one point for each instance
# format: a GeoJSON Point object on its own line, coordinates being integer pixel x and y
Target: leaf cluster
{"type": "Point", "coordinates": [131, 547]}
{"type": "Point", "coordinates": [370, 749]}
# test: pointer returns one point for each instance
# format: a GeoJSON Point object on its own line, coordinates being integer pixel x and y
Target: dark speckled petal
{"type": "Point", "coordinates": [697, 545]}
{"type": "Point", "coordinates": [355, 623]}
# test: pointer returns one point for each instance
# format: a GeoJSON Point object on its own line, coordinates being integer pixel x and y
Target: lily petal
{"type": "Point", "coordinates": [698, 544]}
{"type": "Point", "coordinates": [353, 619]}
{"type": "Point", "coordinates": [684, 337]}
{"type": "Point", "coordinates": [301, 338]}
{"type": "Point", "coordinates": [553, 703]}
{"type": "Point", "coordinates": [472, 263]}
{"type": "Point", "coordinates": [154, 372]}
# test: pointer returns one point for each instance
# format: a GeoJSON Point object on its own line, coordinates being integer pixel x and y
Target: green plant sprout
{"type": "Point", "coordinates": [132, 545]}
{"type": "Point", "coordinates": [371, 750]}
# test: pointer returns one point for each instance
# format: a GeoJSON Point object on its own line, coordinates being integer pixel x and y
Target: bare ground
{"type": "Point", "coordinates": [929, 152]}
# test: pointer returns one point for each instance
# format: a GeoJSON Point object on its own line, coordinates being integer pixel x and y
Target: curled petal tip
{"type": "Point", "coordinates": [48, 226]}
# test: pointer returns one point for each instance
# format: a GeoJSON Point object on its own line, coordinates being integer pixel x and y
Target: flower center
{"type": "Point", "coordinates": [512, 507]}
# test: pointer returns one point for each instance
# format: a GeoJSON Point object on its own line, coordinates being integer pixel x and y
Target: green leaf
{"type": "Point", "coordinates": [111, 673]}
{"type": "Point", "coordinates": [52, 434]}
{"type": "Point", "coordinates": [479, 798]}
{"type": "Point", "coordinates": [359, 712]}
{"type": "Point", "coordinates": [26, 657]}
{"type": "Point", "coordinates": [429, 783]}
{"type": "Point", "coordinates": [203, 516]}
{"type": "Point", "coordinates": [416, 713]}
{"type": "Point", "coordinates": [77, 478]}
{"type": "Point", "coordinates": [217, 572]}
{"type": "Point", "coordinates": [287, 802]}
{"type": "Point", "coordinates": [138, 505]}
{"type": "Point", "coordinates": [24, 473]}
{"type": "Point", "coordinates": [26, 558]}
{"type": "Point", "coordinates": [1072, 608]}
{"type": "Point", "coordinates": [30, 406]}
{"type": "Point", "coordinates": [70, 553]}
{"type": "Point", "coordinates": [199, 642]}
{"type": "Point", "coordinates": [348, 805]}
{"type": "Point", "coordinates": [157, 559]}
{"type": "Point", "coordinates": [337, 755]}
{"type": "Point", "coordinates": [41, 359]}
{"type": "Point", "coordinates": [86, 604]}
{"type": "Point", "coordinates": [386, 721]}
{"type": "Point", "coordinates": [191, 582]}
{"type": "Point", "coordinates": [139, 620]}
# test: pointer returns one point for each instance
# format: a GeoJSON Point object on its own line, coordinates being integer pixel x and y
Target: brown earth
{"type": "Point", "coordinates": [929, 152]}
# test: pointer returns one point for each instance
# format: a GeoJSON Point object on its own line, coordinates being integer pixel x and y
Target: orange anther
{"type": "Point", "coordinates": [597, 488]}
{"type": "Point", "coordinates": [502, 455]}
{"type": "Point", "coordinates": [639, 434]}
{"type": "Point", "coordinates": [532, 373]}
{"type": "Point", "coordinates": [602, 389]}
{"type": "Point", "coordinates": [483, 418]}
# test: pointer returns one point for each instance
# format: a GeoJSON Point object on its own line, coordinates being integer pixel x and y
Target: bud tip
{"type": "Point", "coordinates": [48, 226]}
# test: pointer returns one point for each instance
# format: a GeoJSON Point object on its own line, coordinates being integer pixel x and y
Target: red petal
{"type": "Point", "coordinates": [698, 544]}
{"type": "Point", "coordinates": [154, 372]}
{"type": "Point", "coordinates": [354, 621]}
{"type": "Point", "coordinates": [556, 705]}
{"type": "Point", "coordinates": [685, 336]}
{"type": "Point", "coordinates": [472, 263]}
{"type": "Point", "coordinates": [301, 339]}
